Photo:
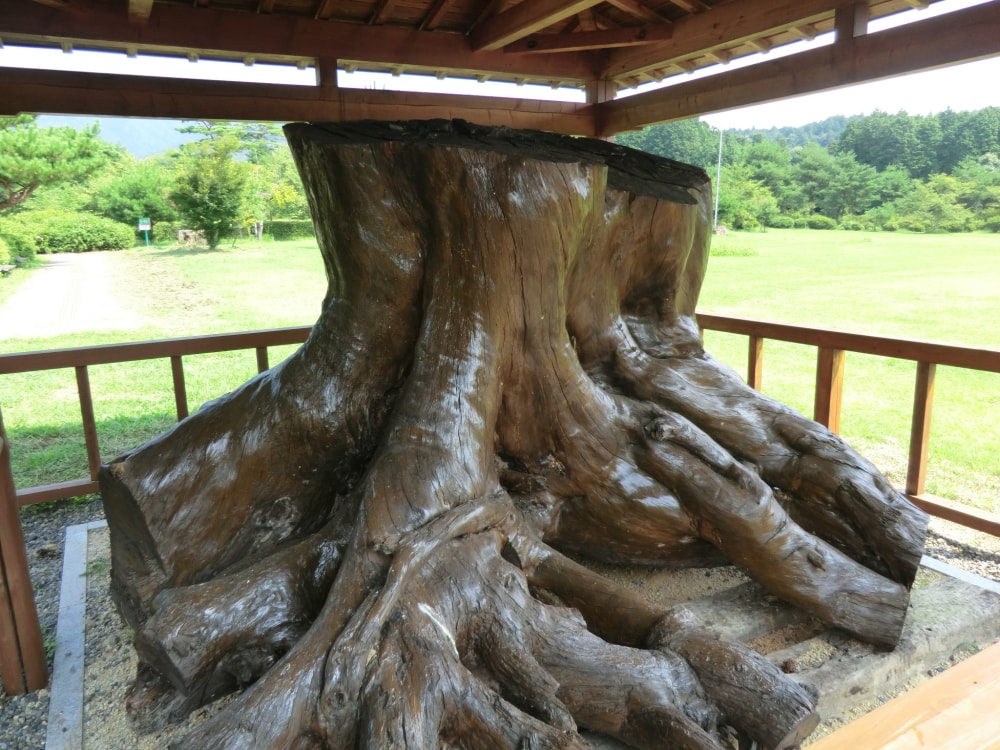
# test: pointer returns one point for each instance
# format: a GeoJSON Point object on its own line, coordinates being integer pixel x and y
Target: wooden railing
{"type": "Point", "coordinates": [831, 349]}
{"type": "Point", "coordinates": [22, 659]}
{"type": "Point", "coordinates": [22, 656]}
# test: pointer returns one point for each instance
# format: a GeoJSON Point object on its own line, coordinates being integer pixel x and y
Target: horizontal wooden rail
{"type": "Point", "coordinates": [162, 349]}
{"type": "Point", "coordinates": [831, 348]}
{"type": "Point", "coordinates": [975, 358]}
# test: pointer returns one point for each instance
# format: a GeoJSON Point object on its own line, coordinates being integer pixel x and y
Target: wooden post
{"type": "Point", "coordinates": [326, 74]}
{"type": "Point", "coordinates": [180, 389]}
{"type": "Point", "coordinates": [920, 428]}
{"type": "Point", "coordinates": [22, 656]}
{"type": "Point", "coordinates": [851, 21]}
{"type": "Point", "coordinates": [600, 91]}
{"type": "Point", "coordinates": [89, 423]}
{"type": "Point", "coordinates": [262, 362]}
{"type": "Point", "coordinates": [755, 362]}
{"type": "Point", "coordinates": [829, 387]}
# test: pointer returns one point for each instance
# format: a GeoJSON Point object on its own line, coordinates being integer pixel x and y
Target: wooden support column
{"type": "Point", "coordinates": [600, 91]}
{"type": "Point", "coordinates": [920, 428]}
{"type": "Point", "coordinates": [326, 74]}
{"type": "Point", "coordinates": [755, 362]}
{"type": "Point", "coordinates": [262, 361]}
{"type": "Point", "coordinates": [850, 21]}
{"type": "Point", "coordinates": [22, 655]}
{"type": "Point", "coordinates": [829, 387]}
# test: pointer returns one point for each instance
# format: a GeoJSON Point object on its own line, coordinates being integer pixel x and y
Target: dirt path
{"type": "Point", "coordinates": [70, 293]}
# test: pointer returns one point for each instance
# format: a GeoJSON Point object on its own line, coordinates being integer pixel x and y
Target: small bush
{"type": "Point", "coordinates": [800, 222]}
{"type": "Point", "coordinates": [80, 233]}
{"type": "Point", "coordinates": [19, 238]}
{"type": "Point", "coordinates": [781, 222]}
{"type": "Point", "coordinates": [289, 229]}
{"type": "Point", "coordinates": [818, 221]}
{"type": "Point", "coordinates": [4, 253]}
{"type": "Point", "coordinates": [856, 224]}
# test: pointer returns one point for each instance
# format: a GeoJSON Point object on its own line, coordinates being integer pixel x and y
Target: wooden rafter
{"type": "Point", "coordinates": [216, 33]}
{"type": "Point", "coordinates": [585, 40]}
{"type": "Point", "coordinates": [960, 36]}
{"type": "Point", "coordinates": [434, 15]}
{"type": "Point", "coordinates": [638, 10]}
{"type": "Point", "coordinates": [696, 34]}
{"type": "Point", "coordinates": [265, 6]}
{"type": "Point", "coordinates": [139, 10]}
{"type": "Point", "coordinates": [325, 9]}
{"type": "Point", "coordinates": [523, 20]}
{"type": "Point", "coordinates": [383, 9]}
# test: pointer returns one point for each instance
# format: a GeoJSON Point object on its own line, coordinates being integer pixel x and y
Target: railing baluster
{"type": "Point", "coordinates": [829, 387]}
{"type": "Point", "coordinates": [920, 428]}
{"type": "Point", "coordinates": [180, 389]}
{"type": "Point", "coordinates": [262, 363]}
{"type": "Point", "coordinates": [89, 423]}
{"type": "Point", "coordinates": [755, 362]}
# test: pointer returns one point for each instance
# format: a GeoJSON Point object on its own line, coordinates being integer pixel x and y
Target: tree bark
{"type": "Point", "coordinates": [370, 539]}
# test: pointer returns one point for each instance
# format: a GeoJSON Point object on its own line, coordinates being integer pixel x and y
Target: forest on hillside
{"type": "Point", "coordinates": [920, 173]}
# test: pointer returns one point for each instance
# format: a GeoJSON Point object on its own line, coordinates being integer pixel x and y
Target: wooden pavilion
{"type": "Point", "coordinates": [601, 47]}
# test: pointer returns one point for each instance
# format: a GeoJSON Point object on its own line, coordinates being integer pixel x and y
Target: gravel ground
{"type": "Point", "coordinates": [23, 718]}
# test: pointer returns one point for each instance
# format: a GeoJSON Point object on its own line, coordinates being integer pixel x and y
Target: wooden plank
{"type": "Point", "coordinates": [523, 20]}
{"type": "Point", "coordinates": [138, 96]}
{"type": "Point", "coordinates": [976, 358]}
{"type": "Point", "coordinates": [21, 651]}
{"type": "Point", "coordinates": [584, 40]}
{"type": "Point", "coordinates": [89, 423]}
{"type": "Point", "coordinates": [755, 362]}
{"type": "Point", "coordinates": [696, 33]}
{"type": "Point", "coordinates": [920, 428]}
{"type": "Point", "coordinates": [957, 37]}
{"type": "Point", "coordinates": [210, 32]}
{"type": "Point", "coordinates": [46, 493]}
{"type": "Point", "coordinates": [139, 10]}
{"type": "Point", "coordinates": [180, 390]}
{"type": "Point", "coordinates": [829, 387]}
{"type": "Point", "coordinates": [159, 349]}
{"type": "Point", "coordinates": [954, 710]}
{"type": "Point", "coordinates": [964, 515]}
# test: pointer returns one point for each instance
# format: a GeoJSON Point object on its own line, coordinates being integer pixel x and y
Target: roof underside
{"type": "Point", "coordinates": [602, 47]}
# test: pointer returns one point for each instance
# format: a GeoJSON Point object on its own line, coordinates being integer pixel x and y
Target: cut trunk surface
{"type": "Point", "coordinates": [378, 542]}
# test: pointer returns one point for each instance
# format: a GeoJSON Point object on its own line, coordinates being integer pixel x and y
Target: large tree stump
{"type": "Point", "coordinates": [370, 539]}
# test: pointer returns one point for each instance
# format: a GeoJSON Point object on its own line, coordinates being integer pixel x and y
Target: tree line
{"type": "Point", "coordinates": [61, 187]}
{"type": "Point", "coordinates": [922, 173]}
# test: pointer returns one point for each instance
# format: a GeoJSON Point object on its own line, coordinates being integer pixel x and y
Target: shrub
{"type": "Point", "coordinates": [781, 222]}
{"type": "Point", "coordinates": [856, 223]}
{"type": "Point", "coordinates": [4, 253]}
{"type": "Point", "coordinates": [80, 233]}
{"type": "Point", "coordinates": [818, 221]}
{"type": "Point", "coordinates": [19, 237]}
{"type": "Point", "coordinates": [289, 229]}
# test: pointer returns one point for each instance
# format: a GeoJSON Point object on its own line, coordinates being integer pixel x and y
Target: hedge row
{"type": "Point", "coordinates": [289, 229]}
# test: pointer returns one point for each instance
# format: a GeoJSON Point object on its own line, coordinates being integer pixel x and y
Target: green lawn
{"type": "Point", "coordinates": [933, 287]}
{"type": "Point", "coordinates": [179, 292]}
{"type": "Point", "coordinates": [940, 287]}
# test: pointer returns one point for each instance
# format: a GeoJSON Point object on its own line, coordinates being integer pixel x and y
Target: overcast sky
{"type": "Point", "coordinates": [970, 86]}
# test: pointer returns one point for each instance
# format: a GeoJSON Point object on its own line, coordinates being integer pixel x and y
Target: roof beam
{"type": "Point", "coordinates": [434, 15]}
{"type": "Point", "coordinates": [226, 34]}
{"type": "Point", "coordinates": [139, 10]}
{"type": "Point", "coordinates": [693, 35]}
{"type": "Point", "coordinates": [383, 9]}
{"type": "Point", "coordinates": [638, 10]}
{"type": "Point", "coordinates": [523, 20]}
{"type": "Point", "coordinates": [56, 92]}
{"type": "Point", "coordinates": [961, 36]}
{"type": "Point", "coordinates": [586, 40]}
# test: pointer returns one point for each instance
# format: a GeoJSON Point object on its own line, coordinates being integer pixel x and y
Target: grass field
{"type": "Point", "coordinates": [932, 287]}
{"type": "Point", "coordinates": [940, 288]}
